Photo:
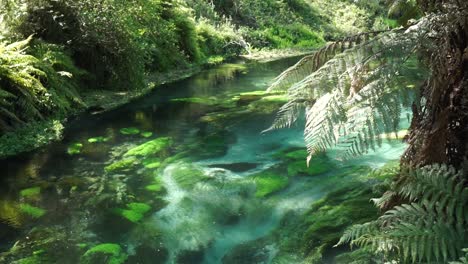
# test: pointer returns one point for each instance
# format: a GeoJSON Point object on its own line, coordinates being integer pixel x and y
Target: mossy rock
{"type": "Point", "coordinates": [74, 148]}
{"type": "Point", "coordinates": [269, 183]}
{"type": "Point", "coordinates": [129, 131]}
{"type": "Point", "coordinates": [122, 165]}
{"type": "Point", "coordinates": [31, 192]}
{"type": "Point", "coordinates": [32, 211]}
{"type": "Point", "coordinates": [188, 175]}
{"type": "Point", "coordinates": [151, 147]}
{"type": "Point", "coordinates": [98, 139]}
{"type": "Point", "coordinates": [104, 253]}
{"type": "Point", "coordinates": [134, 212]}
{"type": "Point", "coordinates": [213, 145]}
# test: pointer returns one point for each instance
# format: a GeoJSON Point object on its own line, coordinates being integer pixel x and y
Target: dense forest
{"type": "Point", "coordinates": [233, 131]}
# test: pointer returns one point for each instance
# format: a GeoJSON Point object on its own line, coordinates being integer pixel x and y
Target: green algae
{"type": "Point", "coordinates": [121, 165]}
{"type": "Point", "coordinates": [107, 253]}
{"type": "Point", "coordinates": [32, 211]}
{"type": "Point", "coordinates": [187, 175]}
{"type": "Point", "coordinates": [146, 134]}
{"type": "Point", "coordinates": [31, 192]}
{"type": "Point", "coordinates": [152, 163]}
{"type": "Point", "coordinates": [297, 164]}
{"type": "Point", "coordinates": [74, 148]}
{"type": "Point", "coordinates": [151, 147]}
{"type": "Point", "coordinates": [129, 131]}
{"type": "Point", "coordinates": [134, 212]}
{"type": "Point", "coordinates": [269, 183]}
{"type": "Point", "coordinates": [98, 139]}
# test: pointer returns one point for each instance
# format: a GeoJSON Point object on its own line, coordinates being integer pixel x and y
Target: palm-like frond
{"type": "Point", "coordinates": [430, 228]}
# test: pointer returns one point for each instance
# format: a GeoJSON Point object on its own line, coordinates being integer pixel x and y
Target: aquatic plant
{"type": "Point", "coordinates": [134, 212]}
{"type": "Point", "coordinates": [32, 211]}
{"type": "Point", "coordinates": [74, 148]}
{"type": "Point", "coordinates": [122, 165]}
{"type": "Point", "coordinates": [146, 134]}
{"type": "Point", "coordinates": [268, 183]}
{"type": "Point", "coordinates": [129, 131]}
{"type": "Point", "coordinates": [152, 163]}
{"type": "Point", "coordinates": [30, 192]}
{"type": "Point", "coordinates": [151, 147]}
{"type": "Point", "coordinates": [188, 175]}
{"type": "Point", "coordinates": [98, 139]}
{"type": "Point", "coordinates": [104, 253]}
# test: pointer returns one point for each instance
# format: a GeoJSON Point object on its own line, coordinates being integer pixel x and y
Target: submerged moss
{"type": "Point", "coordinates": [121, 165]}
{"type": "Point", "coordinates": [30, 192]}
{"type": "Point", "coordinates": [297, 164]}
{"type": "Point", "coordinates": [74, 148]}
{"type": "Point", "coordinates": [268, 183]}
{"type": "Point", "coordinates": [134, 212]}
{"type": "Point", "coordinates": [129, 131]}
{"type": "Point", "coordinates": [98, 139]}
{"type": "Point", "coordinates": [152, 163]}
{"type": "Point", "coordinates": [151, 147]}
{"type": "Point", "coordinates": [104, 253]}
{"type": "Point", "coordinates": [146, 134]}
{"type": "Point", "coordinates": [32, 211]}
{"type": "Point", "coordinates": [155, 186]}
{"type": "Point", "coordinates": [187, 175]}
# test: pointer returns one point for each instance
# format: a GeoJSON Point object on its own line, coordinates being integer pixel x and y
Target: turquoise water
{"type": "Point", "coordinates": [200, 194]}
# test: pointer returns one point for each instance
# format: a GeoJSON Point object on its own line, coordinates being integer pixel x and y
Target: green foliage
{"type": "Point", "coordinates": [32, 88]}
{"type": "Point", "coordinates": [30, 192]}
{"type": "Point", "coordinates": [151, 147]}
{"type": "Point", "coordinates": [134, 211]}
{"type": "Point", "coordinates": [98, 139]}
{"type": "Point", "coordinates": [30, 136]}
{"type": "Point", "coordinates": [268, 183]}
{"type": "Point", "coordinates": [129, 131]}
{"type": "Point", "coordinates": [74, 148]}
{"type": "Point", "coordinates": [430, 227]}
{"type": "Point", "coordinates": [348, 93]}
{"type": "Point", "coordinates": [32, 211]}
{"type": "Point", "coordinates": [104, 253]}
{"type": "Point", "coordinates": [121, 165]}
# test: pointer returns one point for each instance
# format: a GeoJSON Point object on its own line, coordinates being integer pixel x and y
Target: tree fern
{"type": "Point", "coordinates": [368, 79]}
{"type": "Point", "coordinates": [431, 228]}
{"type": "Point", "coordinates": [30, 87]}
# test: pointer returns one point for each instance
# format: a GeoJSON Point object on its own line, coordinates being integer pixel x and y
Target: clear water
{"type": "Point", "coordinates": [201, 224]}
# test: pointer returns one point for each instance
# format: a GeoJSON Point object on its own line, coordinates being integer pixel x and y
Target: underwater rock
{"type": "Point", "coordinates": [213, 145]}
{"type": "Point", "coordinates": [191, 257]}
{"type": "Point", "coordinates": [236, 167]}
{"type": "Point", "coordinates": [268, 182]}
{"type": "Point", "coordinates": [257, 251]}
{"type": "Point", "coordinates": [151, 147]}
{"type": "Point", "coordinates": [104, 254]}
{"type": "Point", "coordinates": [129, 131]}
{"type": "Point", "coordinates": [152, 163]}
{"type": "Point", "coordinates": [149, 255]}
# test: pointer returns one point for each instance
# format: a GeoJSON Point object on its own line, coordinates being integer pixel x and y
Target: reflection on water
{"type": "Point", "coordinates": [153, 182]}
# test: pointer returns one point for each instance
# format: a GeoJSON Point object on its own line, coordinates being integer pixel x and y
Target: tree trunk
{"type": "Point", "coordinates": [439, 129]}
